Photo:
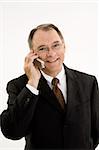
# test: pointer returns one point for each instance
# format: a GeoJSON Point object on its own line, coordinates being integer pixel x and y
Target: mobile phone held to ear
{"type": "Point", "coordinates": [39, 63]}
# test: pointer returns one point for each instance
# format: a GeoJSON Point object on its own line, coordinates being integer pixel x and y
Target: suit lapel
{"type": "Point", "coordinates": [73, 96]}
{"type": "Point", "coordinates": [72, 90]}
{"type": "Point", "coordinates": [48, 94]}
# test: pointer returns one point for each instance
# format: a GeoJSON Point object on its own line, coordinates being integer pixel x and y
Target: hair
{"type": "Point", "coordinates": [44, 27]}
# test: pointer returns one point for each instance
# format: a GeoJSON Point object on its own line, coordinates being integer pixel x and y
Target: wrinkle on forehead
{"type": "Point", "coordinates": [42, 37]}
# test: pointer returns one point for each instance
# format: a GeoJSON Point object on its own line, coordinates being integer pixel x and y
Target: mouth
{"type": "Point", "coordinates": [52, 61]}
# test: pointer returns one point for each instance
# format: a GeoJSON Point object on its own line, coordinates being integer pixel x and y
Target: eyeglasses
{"type": "Point", "coordinates": [55, 46]}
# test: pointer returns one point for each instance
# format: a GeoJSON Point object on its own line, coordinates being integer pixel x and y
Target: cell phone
{"type": "Point", "coordinates": [39, 63]}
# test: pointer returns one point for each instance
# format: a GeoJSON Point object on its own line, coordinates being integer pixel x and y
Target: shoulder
{"type": "Point", "coordinates": [18, 82]}
{"type": "Point", "coordinates": [81, 77]}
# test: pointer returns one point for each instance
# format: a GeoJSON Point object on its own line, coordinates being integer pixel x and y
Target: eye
{"type": "Point", "coordinates": [42, 49]}
{"type": "Point", "coordinates": [57, 45]}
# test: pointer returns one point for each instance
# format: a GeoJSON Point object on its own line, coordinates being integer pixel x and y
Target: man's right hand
{"type": "Point", "coordinates": [31, 71]}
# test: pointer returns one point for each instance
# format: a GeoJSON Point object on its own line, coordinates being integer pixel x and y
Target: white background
{"type": "Point", "coordinates": [78, 22]}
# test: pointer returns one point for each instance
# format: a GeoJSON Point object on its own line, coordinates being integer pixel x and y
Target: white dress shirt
{"type": "Point", "coordinates": [62, 83]}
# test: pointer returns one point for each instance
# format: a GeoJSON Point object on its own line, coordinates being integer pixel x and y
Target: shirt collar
{"type": "Point", "coordinates": [59, 75]}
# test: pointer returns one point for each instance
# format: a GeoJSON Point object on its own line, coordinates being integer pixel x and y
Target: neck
{"type": "Point", "coordinates": [52, 73]}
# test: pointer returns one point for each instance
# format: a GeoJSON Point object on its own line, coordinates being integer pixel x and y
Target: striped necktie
{"type": "Point", "coordinates": [58, 92]}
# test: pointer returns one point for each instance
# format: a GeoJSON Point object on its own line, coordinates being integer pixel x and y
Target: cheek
{"type": "Point", "coordinates": [42, 56]}
{"type": "Point", "coordinates": [61, 55]}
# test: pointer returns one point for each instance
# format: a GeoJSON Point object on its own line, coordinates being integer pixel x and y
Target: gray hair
{"type": "Point", "coordinates": [44, 27]}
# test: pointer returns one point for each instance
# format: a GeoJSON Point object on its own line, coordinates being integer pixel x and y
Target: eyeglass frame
{"type": "Point", "coordinates": [44, 48]}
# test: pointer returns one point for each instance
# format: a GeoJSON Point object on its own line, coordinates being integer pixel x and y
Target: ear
{"type": "Point", "coordinates": [32, 50]}
{"type": "Point", "coordinates": [64, 45]}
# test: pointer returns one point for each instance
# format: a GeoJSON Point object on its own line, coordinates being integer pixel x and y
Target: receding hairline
{"type": "Point", "coordinates": [43, 27]}
{"type": "Point", "coordinates": [46, 27]}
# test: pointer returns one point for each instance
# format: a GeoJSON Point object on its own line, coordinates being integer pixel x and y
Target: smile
{"type": "Point", "coordinates": [53, 60]}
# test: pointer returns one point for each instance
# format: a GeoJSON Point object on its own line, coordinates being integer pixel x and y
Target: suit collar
{"type": "Point", "coordinates": [46, 92]}
{"type": "Point", "coordinates": [72, 90]}
{"type": "Point", "coordinates": [73, 95]}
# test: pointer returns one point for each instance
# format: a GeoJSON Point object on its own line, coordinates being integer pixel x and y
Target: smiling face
{"type": "Point", "coordinates": [50, 48]}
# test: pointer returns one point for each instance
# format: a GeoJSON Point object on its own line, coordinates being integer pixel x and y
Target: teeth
{"type": "Point", "coordinates": [52, 61]}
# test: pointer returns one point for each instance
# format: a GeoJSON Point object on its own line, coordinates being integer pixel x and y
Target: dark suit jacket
{"type": "Point", "coordinates": [41, 120]}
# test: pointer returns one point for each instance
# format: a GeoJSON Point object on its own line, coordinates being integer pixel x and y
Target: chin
{"type": "Point", "coordinates": [53, 68]}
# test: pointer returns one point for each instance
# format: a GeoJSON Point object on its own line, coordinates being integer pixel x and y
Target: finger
{"type": "Point", "coordinates": [30, 58]}
{"type": "Point", "coordinates": [31, 53]}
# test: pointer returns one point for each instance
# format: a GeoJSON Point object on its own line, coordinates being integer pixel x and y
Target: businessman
{"type": "Point", "coordinates": [52, 106]}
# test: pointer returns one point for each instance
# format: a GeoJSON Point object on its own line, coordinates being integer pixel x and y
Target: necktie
{"type": "Point", "coordinates": [58, 92]}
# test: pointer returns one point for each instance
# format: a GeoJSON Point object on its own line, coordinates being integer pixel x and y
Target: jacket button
{"type": "Point", "coordinates": [28, 99]}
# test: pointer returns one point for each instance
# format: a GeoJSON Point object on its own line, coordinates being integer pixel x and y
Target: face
{"type": "Point", "coordinates": [50, 48]}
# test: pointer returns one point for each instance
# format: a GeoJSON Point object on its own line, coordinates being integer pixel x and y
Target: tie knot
{"type": "Point", "coordinates": [55, 81]}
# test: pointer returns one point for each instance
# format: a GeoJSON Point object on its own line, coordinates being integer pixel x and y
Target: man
{"type": "Point", "coordinates": [34, 109]}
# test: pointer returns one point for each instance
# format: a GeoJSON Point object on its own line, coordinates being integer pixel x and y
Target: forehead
{"type": "Point", "coordinates": [45, 37]}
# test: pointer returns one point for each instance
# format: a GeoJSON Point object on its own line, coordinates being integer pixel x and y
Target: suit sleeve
{"type": "Point", "coordinates": [16, 120]}
{"type": "Point", "coordinates": [95, 112]}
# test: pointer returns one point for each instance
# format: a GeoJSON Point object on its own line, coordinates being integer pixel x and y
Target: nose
{"type": "Point", "coordinates": [51, 52]}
